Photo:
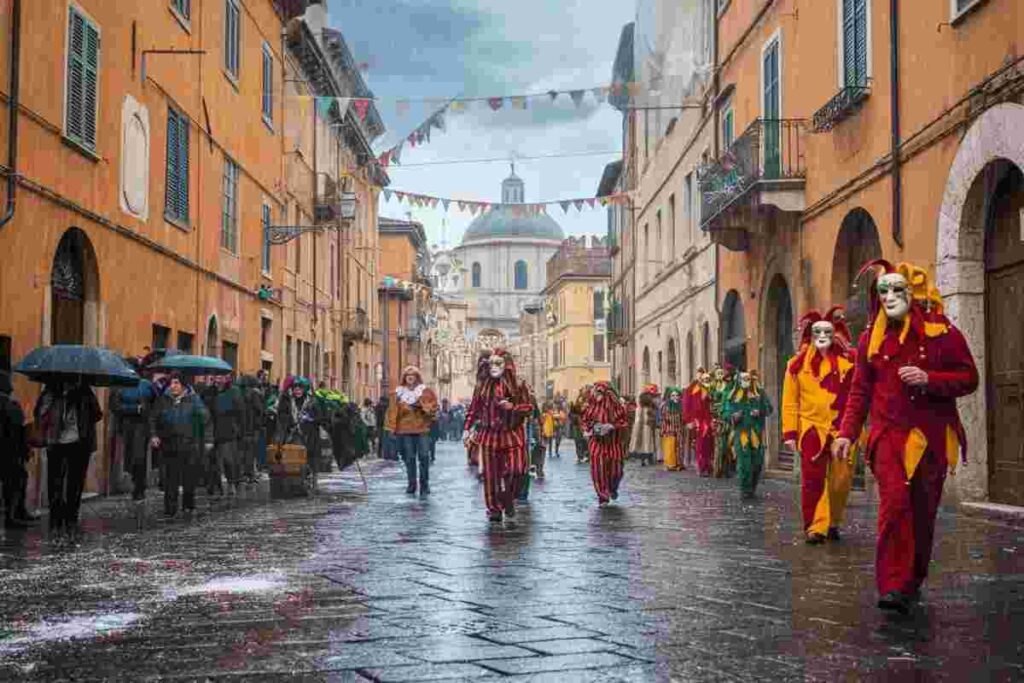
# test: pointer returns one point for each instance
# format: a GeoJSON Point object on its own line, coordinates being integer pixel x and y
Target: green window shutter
{"type": "Point", "coordinates": [183, 127]}
{"type": "Point", "coordinates": [266, 238]}
{"type": "Point", "coordinates": [268, 85]}
{"type": "Point", "coordinates": [76, 74]}
{"type": "Point", "coordinates": [171, 191]}
{"type": "Point", "coordinates": [855, 43]}
{"type": "Point", "coordinates": [90, 85]}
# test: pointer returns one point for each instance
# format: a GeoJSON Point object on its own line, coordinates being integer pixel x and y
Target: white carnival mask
{"type": "Point", "coordinates": [719, 374]}
{"type": "Point", "coordinates": [704, 378]}
{"type": "Point", "coordinates": [497, 366]}
{"type": "Point", "coordinates": [894, 292]}
{"type": "Point", "coordinates": [745, 380]}
{"type": "Point", "coordinates": [822, 333]}
{"type": "Point", "coordinates": [674, 397]}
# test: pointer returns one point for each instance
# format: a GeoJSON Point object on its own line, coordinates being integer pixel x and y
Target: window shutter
{"type": "Point", "coordinates": [76, 74]}
{"type": "Point", "coordinates": [90, 84]}
{"type": "Point", "coordinates": [171, 191]}
{"type": "Point", "coordinates": [182, 168]}
{"type": "Point", "coordinates": [861, 41]}
{"type": "Point", "coordinates": [268, 85]}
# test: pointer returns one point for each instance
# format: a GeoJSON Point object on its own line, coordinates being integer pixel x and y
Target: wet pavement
{"type": "Point", "coordinates": [679, 581]}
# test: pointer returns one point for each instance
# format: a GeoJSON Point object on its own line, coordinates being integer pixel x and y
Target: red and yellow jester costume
{"type": "Point", "coordinates": [495, 421]}
{"type": "Point", "coordinates": [697, 415]}
{"type": "Point", "coordinates": [814, 393]}
{"type": "Point", "coordinates": [912, 365]}
{"type": "Point", "coordinates": [604, 419]}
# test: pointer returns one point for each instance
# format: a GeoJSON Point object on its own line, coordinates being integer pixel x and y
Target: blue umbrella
{"type": "Point", "coordinates": [72, 363]}
{"type": "Point", "coordinates": [192, 365]}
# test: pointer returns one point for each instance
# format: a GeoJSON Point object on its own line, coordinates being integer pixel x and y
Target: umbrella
{"type": "Point", "coordinates": [156, 354]}
{"type": "Point", "coordinates": [192, 365]}
{"type": "Point", "coordinates": [71, 363]}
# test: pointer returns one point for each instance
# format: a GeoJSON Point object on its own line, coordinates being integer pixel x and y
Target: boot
{"type": "Point", "coordinates": [895, 601]}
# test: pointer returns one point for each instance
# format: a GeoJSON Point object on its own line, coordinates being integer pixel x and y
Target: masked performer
{"type": "Point", "coordinates": [643, 441]}
{"type": "Point", "coordinates": [604, 418]}
{"type": "Point", "coordinates": [721, 387]}
{"type": "Point", "coordinates": [746, 410]}
{"type": "Point", "coordinates": [698, 417]}
{"type": "Point", "coordinates": [575, 417]}
{"type": "Point", "coordinates": [912, 365]}
{"type": "Point", "coordinates": [814, 391]}
{"type": "Point", "coordinates": [672, 428]}
{"type": "Point", "coordinates": [494, 422]}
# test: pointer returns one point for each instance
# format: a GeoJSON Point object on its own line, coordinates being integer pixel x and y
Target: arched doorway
{"type": "Point", "coordinates": [1002, 183]}
{"type": "Point", "coordinates": [74, 291]}
{"type": "Point", "coordinates": [212, 338]}
{"type": "Point", "coordinates": [778, 349]}
{"type": "Point", "coordinates": [735, 332]}
{"type": "Point", "coordinates": [856, 244]}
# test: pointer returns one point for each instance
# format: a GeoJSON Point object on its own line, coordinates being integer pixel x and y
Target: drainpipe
{"type": "Point", "coordinates": [717, 248]}
{"type": "Point", "coordinates": [894, 100]}
{"type": "Point", "coordinates": [13, 105]}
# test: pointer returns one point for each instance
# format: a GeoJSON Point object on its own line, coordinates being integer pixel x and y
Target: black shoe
{"type": "Point", "coordinates": [833, 533]}
{"type": "Point", "coordinates": [814, 539]}
{"type": "Point", "coordinates": [424, 489]}
{"type": "Point", "coordinates": [495, 518]}
{"type": "Point", "coordinates": [894, 601]}
{"type": "Point", "coordinates": [615, 495]}
{"type": "Point", "coordinates": [411, 488]}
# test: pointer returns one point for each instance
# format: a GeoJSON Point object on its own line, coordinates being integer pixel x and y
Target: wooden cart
{"type": "Point", "coordinates": [291, 475]}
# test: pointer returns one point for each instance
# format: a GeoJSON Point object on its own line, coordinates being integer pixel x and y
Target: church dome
{"type": "Point", "coordinates": [503, 222]}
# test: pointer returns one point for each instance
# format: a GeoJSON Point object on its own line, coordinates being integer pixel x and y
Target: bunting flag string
{"type": "Point", "coordinates": [517, 210]}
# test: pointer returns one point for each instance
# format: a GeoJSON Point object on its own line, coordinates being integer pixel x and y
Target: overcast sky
{"type": "Point", "coordinates": [481, 48]}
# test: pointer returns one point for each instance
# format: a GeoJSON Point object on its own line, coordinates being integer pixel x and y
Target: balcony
{"type": "Point", "coordinates": [761, 173]}
{"type": "Point", "coordinates": [845, 102]}
{"type": "Point", "coordinates": [355, 325]}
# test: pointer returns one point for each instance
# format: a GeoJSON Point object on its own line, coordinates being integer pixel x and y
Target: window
{"type": "Point", "coordinates": [672, 367]}
{"type": "Point", "coordinates": [598, 304]}
{"type": "Point", "coordinates": [476, 274]}
{"type": "Point", "coordinates": [232, 30]}
{"type": "Point", "coordinates": [183, 8]}
{"type": "Point", "coordinates": [161, 336]}
{"type": "Point", "coordinates": [855, 43]}
{"type": "Point", "coordinates": [265, 258]}
{"type": "Point", "coordinates": [334, 273]}
{"type": "Point", "coordinates": [658, 245]}
{"type": "Point", "coordinates": [554, 355]}
{"type": "Point", "coordinates": [691, 371]}
{"type": "Point", "coordinates": [520, 275]}
{"type": "Point", "coordinates": [82, 80]}
{"type": "Point", "coordinates": [176, 197]}
{"type": "Point", "coordinates": [268, 84]}
{"type": "Point", "coordinates": [727, 127]}
{"type": "Point", "coordinates": [688, 206]}
{"type": "Point", "coordinates": [288, 355]}
{"type": "Point", "coordinates": [646, 366]}
{"type": "Point", "coordinates": [672, 226]}
{"type": "Point", "coordinates": [185, 340]}
{"type": "Point", "coordinates": [229, 213]}
{"type": "Point", "coordinates": [229, 353]}
{"type": "Point", "coordinates": [599, 348]}
{"type": "Point", "coordinates": [706, 344]}
{"type": "Point", "coordinates": [265, 328]}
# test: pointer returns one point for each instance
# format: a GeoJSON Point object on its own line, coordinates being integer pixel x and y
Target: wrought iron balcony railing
{"type": "Point", "coordinates": [843, 104]}
{"type": "Point", "coordinates": [768, 150]}
{"type": "Point", "coordinates": [355, 324]}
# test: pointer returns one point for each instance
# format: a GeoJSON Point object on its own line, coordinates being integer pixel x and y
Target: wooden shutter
{"type": "Point", "coordinates": [90, 84]}
{"type": "Point", "coordinates": [171, 191]}
{"type": "Point", "coordinates": [183, 167]}
{"type": "Point", "coordinates": [855, 43]}
{"type": "Point", "coordinates": [268, 85]}
{"type": "Point", "coordinates": [82, 79]}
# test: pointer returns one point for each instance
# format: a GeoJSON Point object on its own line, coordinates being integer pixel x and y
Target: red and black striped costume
{"type": "Point", "coordinates": [606, 451]}
{"type": "Point", "coordinates": [500, 433]}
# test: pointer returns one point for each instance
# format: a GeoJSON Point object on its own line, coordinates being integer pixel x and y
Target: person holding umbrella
{"type": "Point", "coordinates": [67, 412]}
{"type": "Point", "coordinates": [13, 454]}
{"type": "Point", "coordinates": [180, 425]}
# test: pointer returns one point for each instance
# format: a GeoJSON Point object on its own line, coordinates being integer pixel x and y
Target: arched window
{"type": "Point", "coordinates": [476, 274]}
{"type": "Point", "coordinates": [691, 371]}
{"type": "Point", "coordinates": [672, 379]}
{"type": "Point", "coordinates": [647, 365]}
{"type": "Point", "coordinates": [706, 345]}
{"type": "Point", "coordinates": [520, 275]}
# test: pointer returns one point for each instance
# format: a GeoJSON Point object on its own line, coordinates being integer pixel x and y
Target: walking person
{"type": "Point", "coordinates": [912, 365]}
{"type": "Point", "coordinates": [603, 419]}
{"type": "Point", "coordinates": [549, 427]}
{"type": "Point", "coordinates": [131, 406]}
{"type": "Point", "coordinates": [67, 413]}
{"type": "Point", "coordinates": [410, 419]}
{"type": "Point", "coordinates": [180, 426]}
{"type": "Point", "coordinates": [700, 420]}
{"type": "Point", "coordinates": [369, 418]}
{"type": "Point", "coordinates": [671, 429]}
{"type": "Point", "coordinates": [576, 427]}
{"type": "Point", "coordinates": [746, 409]}
{"type": "Point", "coordinates": [227, 412]}
{"type": "Point", "coordinates": [13, 456]}
{"type": "Point", "coordinates": [644, 436]}
{"type": "Point", "coordinates": [561, 424]}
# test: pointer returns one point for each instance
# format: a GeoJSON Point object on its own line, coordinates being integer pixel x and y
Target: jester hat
{"type": "Point", "coordinates": [925, 302]}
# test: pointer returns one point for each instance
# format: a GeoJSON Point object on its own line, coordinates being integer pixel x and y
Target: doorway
{"type": "Point", "coordinates": [212, 338]}
{"type": "Point", "coordinates": [74, 291]}
{"type": "Point", "coordinates": [778, 349]}
{"type": "Point", "coordinates": [735, 333]}
{"type": "Point", "coordinates": [1004, 331]}
{"type": "Point", "coordinates": [857, 244]}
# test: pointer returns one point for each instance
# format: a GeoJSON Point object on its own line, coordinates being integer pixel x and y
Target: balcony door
{"type": "Point", "coordinates": [771, 107]}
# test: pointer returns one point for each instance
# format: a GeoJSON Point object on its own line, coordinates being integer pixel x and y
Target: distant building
{"type": "Point", "coordinates": [407, 303]}
{"type": "Point", "coordinates": [578, 277]}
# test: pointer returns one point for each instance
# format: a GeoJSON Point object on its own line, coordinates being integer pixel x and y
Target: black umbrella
{"type": "Point", "coordinates": [192, 365]}
{"type": "Point", "coordinates": [72, 363]}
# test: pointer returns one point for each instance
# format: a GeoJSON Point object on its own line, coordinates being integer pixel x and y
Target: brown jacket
{"type": "Point", "coordinates": [402, 418]}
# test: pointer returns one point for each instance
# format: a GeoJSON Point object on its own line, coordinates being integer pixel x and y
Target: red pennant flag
{"type": "Point", "coordinates": [592, 201]}
{"type": "Point", "coordinates": [433, 202]}
{"type": "Point", "coordinates": [401, 196]}
{"type": "Point", "coordinates": [496, 103]}
{"type": "Point", "coordinates": [361, 107]}
{"type": "Point", "coordinates": [412, 139]}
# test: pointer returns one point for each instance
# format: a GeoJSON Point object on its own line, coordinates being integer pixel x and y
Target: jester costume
{"type": "Point", "coordinates": [721, 389]}
{"type": "Point", "coordinates": [697, 414]}
{"type": "Point", "coordinates": [603, 420]}
{"type": "Point", "coordinates": [643, 441]}
{"type": "Point", "coordinates": [746, 410]}
{"type": "Point", "coordinates": [814, 392]}
{"type": "Point", "coordinates": [912, 364]}
{"type": "Point", "coordinates": [495, 425]}
{"type": "Point", "coordinates": [575, 424]}
{"type": "Point", "coordinates": [672, 433]}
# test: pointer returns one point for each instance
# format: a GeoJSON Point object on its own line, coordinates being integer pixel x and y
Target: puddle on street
{"type": "Point", "coordinates": [254, 583]}
{"type": "Point", "coordinates": [73, 628]}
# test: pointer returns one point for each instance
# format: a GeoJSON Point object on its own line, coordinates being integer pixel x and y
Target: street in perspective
{"type": "Point", "coordinates": [659, 340]}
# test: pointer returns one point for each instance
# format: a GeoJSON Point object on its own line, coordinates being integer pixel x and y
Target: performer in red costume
{"type": "Point", "coordinates": [698, 417]}
{"type": "Point", "coordinates": [604, 419]}
{"type": "Point", "coordinates": [494, 422]}
{"type": "Point", "coordinates": [912, 365]}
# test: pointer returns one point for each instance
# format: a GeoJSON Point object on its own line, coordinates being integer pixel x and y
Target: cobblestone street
{"type": "Point", "coordinates": [679, 581]}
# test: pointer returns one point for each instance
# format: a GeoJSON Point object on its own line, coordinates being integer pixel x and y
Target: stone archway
{"type": "Point", "coordinates": [74, 291]}
{"type": "Point", "coordinates": [735, 333]}
{"type": "Point", "coordinates": [212, 338]}
{"type": "Point", "coordinates": [960, 258]}
{"type": "Point", "coordinates": [857, 244]}
{"type": "Point", "coordinates": [777, 345]}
